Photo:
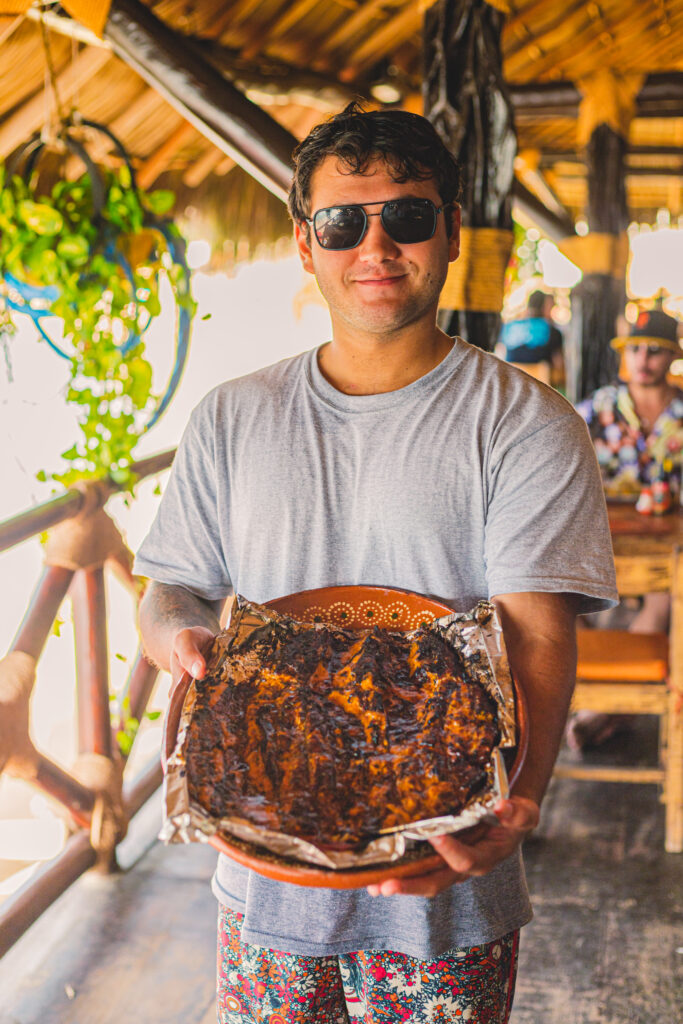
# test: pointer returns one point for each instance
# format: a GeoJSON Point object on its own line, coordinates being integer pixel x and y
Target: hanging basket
{"type": "Point", "coordinates": [96, 250]}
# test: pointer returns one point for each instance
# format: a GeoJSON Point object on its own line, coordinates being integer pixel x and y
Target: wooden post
{"type": "Point", "coordinates": [673, 785]}
{"type": "Point", "coordinates": [467, 100]}
{"type": "Point", "coordinates": [604, 117]}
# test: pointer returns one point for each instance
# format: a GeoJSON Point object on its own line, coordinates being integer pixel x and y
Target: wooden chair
{"type": "Point", "coordinates": [625, 673]}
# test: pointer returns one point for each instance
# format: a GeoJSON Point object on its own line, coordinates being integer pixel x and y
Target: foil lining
{"type": "Point", "coordinates": [476, 635]}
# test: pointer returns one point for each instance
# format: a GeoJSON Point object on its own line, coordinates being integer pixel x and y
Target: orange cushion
{"type": "Point", "coordinates": [614, 654]}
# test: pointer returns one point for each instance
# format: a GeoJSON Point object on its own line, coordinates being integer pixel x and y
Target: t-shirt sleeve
{"type": "Point", "coordinates": [546, 526]}
{"type": "Point", "coordinates": [183, 546]}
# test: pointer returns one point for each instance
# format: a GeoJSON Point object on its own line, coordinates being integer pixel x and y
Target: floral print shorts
{"type": "Point", "coordinates": [264, 986]}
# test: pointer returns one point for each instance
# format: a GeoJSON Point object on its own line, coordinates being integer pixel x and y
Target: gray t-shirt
{"type": "Point", "coordinates": [470, 482]}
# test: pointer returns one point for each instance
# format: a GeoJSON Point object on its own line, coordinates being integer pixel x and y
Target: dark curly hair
{"type": "Point", "coordinates": [407, 142]}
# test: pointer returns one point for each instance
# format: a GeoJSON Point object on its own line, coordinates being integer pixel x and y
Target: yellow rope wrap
{"type": "Point", "coordinates": [476, 280]}
{"type": "Point", "coordinates": [608, 99]}
{"type": "Point", "coordinates": [86, 542]}
{"type": "Point", "coordinates": [108, 824]}
{"type": "Point", "coordinates": [597, 253]}
{"type": "Point", "coordinates": [17, 754]}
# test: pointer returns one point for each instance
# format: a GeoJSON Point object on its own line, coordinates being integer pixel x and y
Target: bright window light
{"type": "Point", "coordinates": [657, 263]}
{"type": "Point", "coordinates": [558, 271]}
{"type": "Point", "coordinates": [198, 254]}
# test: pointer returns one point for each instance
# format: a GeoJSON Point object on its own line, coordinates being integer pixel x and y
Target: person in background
{"type": "Point", "coordinates": [636, 426]}
{"type": "Point", "coordinates": [534, 343]}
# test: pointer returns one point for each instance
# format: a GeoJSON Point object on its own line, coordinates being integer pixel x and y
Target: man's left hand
{"type": "Point", "coordinates": [462, 860]}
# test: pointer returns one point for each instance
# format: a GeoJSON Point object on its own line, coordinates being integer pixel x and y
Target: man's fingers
{"type": "Point", "coordinates": [419, 885]}
{"type": "Point", "coordinates": [460, 858]}
{"type": "Point", "coordinates": [517, 814]}
{"type": "Point", "coordinates": [189, 646]}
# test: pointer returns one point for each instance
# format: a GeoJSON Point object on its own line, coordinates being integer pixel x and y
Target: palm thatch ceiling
{"type": "Point", "coordinates": [301, 60]}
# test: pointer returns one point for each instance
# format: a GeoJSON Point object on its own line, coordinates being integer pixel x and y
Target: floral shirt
{"type": "Point", "coordinates": [628, 457]}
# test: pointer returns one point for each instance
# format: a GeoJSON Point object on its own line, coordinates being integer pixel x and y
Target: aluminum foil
{"type": "Point", "coordinates": [477, 636]}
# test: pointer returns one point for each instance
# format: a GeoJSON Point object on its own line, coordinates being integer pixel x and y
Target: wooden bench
{"type": "Point", "coordinates": [622, 673]}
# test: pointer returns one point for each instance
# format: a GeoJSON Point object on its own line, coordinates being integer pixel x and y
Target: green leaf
{"type": "Point", "coordinates": [125, 742]}
{"type": "Point", "coordinates": [160, 201]}
{"type": "Point", "coordinates": [153, 715]}
{"type": "Point", "coordinates": [40, 217]}
{"type": "Point", "coordinates": [75, 248]}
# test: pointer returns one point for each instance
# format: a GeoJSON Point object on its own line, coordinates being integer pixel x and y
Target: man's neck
{"type": "Point", "coordinates": [365, 365]}
{"type": "Point", "coordinates": [650, 402]}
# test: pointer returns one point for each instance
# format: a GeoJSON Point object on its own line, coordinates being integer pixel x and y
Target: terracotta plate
{"type": "Point", "coordinates": [354, 608]}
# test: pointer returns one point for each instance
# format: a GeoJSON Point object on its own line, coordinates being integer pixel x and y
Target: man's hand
{"type": "Point", "coordinates": [188, 652]}
{"type": "Point", "coordinates": [178, 628]}
{"type": "Point", "coordinates": [462, 860]}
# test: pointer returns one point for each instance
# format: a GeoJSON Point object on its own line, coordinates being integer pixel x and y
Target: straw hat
{"type": "Point", "coordinates": [653, 327]}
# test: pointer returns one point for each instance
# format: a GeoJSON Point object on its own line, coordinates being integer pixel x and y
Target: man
{"type": "Point", "coordinates": [533, 342]}
{"type": "Point", "coordinates": [391, 455]}
{"type": "Point", "coordinates": [637, 425]}
{"type": "Point", "coordinates": [637, 428]}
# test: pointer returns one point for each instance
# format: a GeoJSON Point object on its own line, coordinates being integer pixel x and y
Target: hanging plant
{"type": "Point", "coordinates": [92, 252]}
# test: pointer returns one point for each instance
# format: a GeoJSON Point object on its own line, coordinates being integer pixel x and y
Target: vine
{"type": "Point", "coordinates": [91, 252]}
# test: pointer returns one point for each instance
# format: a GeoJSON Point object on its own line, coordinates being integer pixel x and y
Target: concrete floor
{"type": "Point", "coordinates": [605, 946]}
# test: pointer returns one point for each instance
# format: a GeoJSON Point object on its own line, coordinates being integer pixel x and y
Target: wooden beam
{"type": "Point", "coordinates": [200, 169]}
{"type": "Point", "coordinates": [512, 49]}
{"type": "Point", "coordinates": [282, 20]}
{"type": "Point", "coordinates": [172, 66]}
{"type": "Point", "coordinates": [347, 29]}
{"type": "Point", "coordinates": [8, 24]}
{"type": "Point", "coordinates": [399, 28]}
{"type": "Point", "coordinates": [158, 162]}
{"type": "Point", "coordinates": [31, 116]}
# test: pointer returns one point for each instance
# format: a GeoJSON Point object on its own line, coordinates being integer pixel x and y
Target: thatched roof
{"type": "Point", "coordinates": [302, 59]}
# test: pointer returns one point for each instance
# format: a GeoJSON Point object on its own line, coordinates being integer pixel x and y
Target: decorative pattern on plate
{"type": "Point", "coordinates": [371, 612]}
{"type": "Point", "coordinates": [383, 609]}
{"type": "Point", "coordinates": [418, 619]}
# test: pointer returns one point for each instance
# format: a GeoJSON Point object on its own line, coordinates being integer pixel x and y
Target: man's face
{"type": "Point", "coordinates": [647, 365]}
{"type": "Point", "coordinates": [380, 286]}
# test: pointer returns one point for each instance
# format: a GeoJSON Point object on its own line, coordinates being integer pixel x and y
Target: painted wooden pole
{"type": "Point", "coordinates": [467, 100]}
{"type": "Point", "coordinates": [604, 118]}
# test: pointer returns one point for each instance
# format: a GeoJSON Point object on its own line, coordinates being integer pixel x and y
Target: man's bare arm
{"type": "Point", "coordinates": [540, 637]}
{"type": "Point", "coordinates": [177, 627]}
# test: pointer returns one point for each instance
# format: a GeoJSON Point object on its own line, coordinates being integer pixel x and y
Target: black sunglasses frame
{"type": "Point", "coordinates": [436, 210]}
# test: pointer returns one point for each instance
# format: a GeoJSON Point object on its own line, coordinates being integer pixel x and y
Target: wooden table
{"type": "Point", "coordinates": [648, 554]}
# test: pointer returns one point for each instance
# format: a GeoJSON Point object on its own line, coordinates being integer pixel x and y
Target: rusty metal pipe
{"type": "Point", "coordinates": [23, 908]}
{"type": "Point", "coordinates": [73, 795]}
{"type": "Point", "coordinates": [39, 619]}
{"type": "Point", "coordinates": [65, 506]}
{"type": "Point", "coordinates": [141, 683]}
{"type": "Point", "coordinates": [26, 906]}
{"type": "Point", "coordinates": [92, 661]}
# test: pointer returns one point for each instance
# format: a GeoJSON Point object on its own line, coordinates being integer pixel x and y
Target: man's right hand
{"type": "Point", "coordinates": [188, 652]}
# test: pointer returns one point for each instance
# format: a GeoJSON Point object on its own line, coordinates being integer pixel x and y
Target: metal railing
{"type": "Point", "coordinates": [82, 541]}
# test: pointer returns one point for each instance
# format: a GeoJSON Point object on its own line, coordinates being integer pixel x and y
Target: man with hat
{"type": "Point", "coordinates": [637, 425]}
{"type": "Point", "coordinates": [637, 429]}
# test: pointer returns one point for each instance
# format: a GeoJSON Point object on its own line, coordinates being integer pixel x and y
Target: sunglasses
{"type": "Point", "coordinates": [406, 221]}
